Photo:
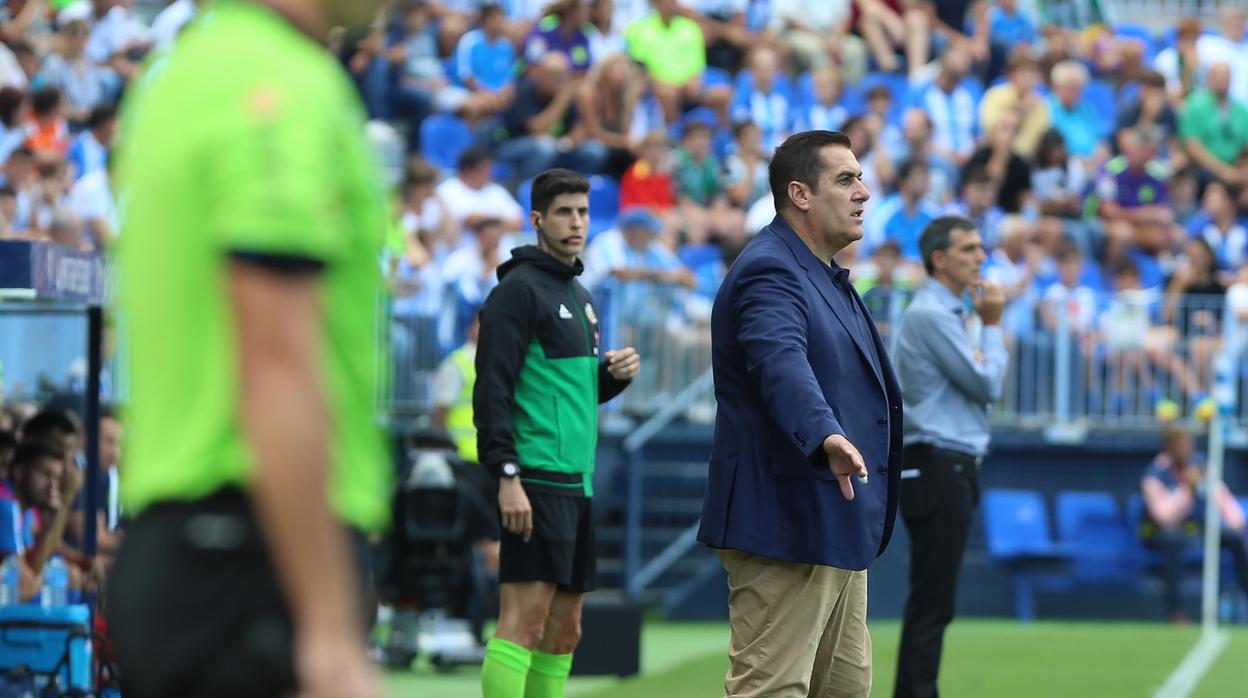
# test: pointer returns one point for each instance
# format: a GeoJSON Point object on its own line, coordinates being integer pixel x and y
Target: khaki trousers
{"type": "Point", "coordinates": [798, 631]}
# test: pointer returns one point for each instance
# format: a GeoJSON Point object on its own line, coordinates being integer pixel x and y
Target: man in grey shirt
{"type": "Point", "coordinates": [951, 362]}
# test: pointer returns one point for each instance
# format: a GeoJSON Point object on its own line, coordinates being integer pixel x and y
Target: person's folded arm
{"type": "Point", "coordinates": [950, 349]}
{"type": "Point", "coordinates": [1165, 507]}
{"type": "Point", "coordinates": [771, 326]}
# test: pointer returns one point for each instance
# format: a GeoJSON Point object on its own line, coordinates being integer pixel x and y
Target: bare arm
{"type": "Point", "coordinates": [278, 319]}
{"type": "Point", "coordinates": [1198, 152]}
{"type": "Point", "coordinates": [545, 120]}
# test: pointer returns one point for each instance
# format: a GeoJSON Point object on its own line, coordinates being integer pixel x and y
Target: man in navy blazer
{"type": "Point", "coordinates": [803, 481]}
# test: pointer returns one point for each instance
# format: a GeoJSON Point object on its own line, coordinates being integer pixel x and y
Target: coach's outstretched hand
{"type": "Point", "coordinates": [844, 460]}
{"type": "Point", "coordinates": [514, 505]}
{"type": "Point", "coordinates": [623, 364]}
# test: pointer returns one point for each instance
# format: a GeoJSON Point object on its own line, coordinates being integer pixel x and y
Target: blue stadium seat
{"type": "Point", "coordinates": [805, 95]}
{"type": "Point", "coordinates": [1017, 525]}
{"type": "Point", "coordinates": [701, 115]}
{"type": "Point", "coordinates": [695, 256]}
{"type": "Point", "coordinates": [1098, 537]}
{"type": "Point", "coordinates": [443, 138]}
{"type": "Point", "coordinates": [855, 97]}
{"type": "Point", "coordinates": [604, 203]}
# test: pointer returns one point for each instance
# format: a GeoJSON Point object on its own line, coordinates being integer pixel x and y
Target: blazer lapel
{"type": "Point", "coordinates": [823, 283]}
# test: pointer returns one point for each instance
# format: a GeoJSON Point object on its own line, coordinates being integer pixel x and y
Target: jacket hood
{"type": "Point", "coordinates": [531, 255]}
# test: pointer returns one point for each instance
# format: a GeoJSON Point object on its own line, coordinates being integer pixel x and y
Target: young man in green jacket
{"type": "Point", "coordinates": [539, 382]}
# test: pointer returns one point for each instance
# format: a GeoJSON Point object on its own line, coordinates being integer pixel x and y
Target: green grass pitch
{"type": "Point", "coordinates": [983, 659]}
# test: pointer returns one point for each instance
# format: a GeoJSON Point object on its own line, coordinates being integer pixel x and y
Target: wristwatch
{"type": "Point", "coordinates": [509, 469]}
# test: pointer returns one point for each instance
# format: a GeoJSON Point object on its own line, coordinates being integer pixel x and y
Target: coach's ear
{"type": "Point", "coordinates": [535, 218]}
{"type": "Point", "coordinates": [799, 195]}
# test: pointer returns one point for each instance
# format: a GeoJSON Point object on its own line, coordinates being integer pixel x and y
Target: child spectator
{"type": "Point", "coordinates": [648, 182]}
{"type": "Point", "coordinates": [699, 189]}
{"type": "Point", "coordinates": [746, 180]}
{"type": "Point", "coordinates": [48, 135]}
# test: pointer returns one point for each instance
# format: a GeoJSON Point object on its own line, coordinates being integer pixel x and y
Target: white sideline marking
{"type": "Point", "coordinates": [1195, 665]}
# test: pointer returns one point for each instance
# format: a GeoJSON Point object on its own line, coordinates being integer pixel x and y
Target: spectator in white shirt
{"type": "Point", "coordinates": [951, 108]}
{"type": "Point", "coordinates": [472, 194]}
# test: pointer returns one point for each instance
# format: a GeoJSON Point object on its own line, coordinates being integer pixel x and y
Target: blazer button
{"type": "Point", "coordinates": [883, 470]}
{"type": "Point", "coordinates": [883, 422]}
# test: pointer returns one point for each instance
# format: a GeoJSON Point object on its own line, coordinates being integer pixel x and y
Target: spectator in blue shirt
{"type": "Point", "coordinates": [825, 113]}
{"type": "Point", "coordinates": [902, 216]}
{"type": "Point", "coordinates": [979, 203]}
{"type": "Point", "coordinates": [951, 108]}
{"type": "Point", "coordinates": [89, 150]}
{"type": "Point", "coordinates": [1220, 226]}
{"type": "Point", "coordinates": [1072, 116]}
{"type": "Point", "coordinates": [485, 59]}
{"type": "Point", "coordinates": [762, 100]}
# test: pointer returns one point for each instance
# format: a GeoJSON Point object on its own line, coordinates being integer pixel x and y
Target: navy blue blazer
{"type": "Point", "coordinates": [790, 370]}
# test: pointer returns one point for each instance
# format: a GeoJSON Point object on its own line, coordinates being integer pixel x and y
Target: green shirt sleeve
{"type": "Point", "coordinates": [1187, 120]}
{"type": "Point", "coordinates": [273, 176]}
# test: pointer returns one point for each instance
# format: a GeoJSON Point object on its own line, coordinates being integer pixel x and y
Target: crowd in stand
{"type": "Point", "coordinates": [1107, 167]}
{"type": "Point", "coordinates": [1097, 159]}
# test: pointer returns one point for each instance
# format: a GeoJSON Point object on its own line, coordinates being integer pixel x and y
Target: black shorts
{"type": "Point", "coordinates": [561, 549]}
{"type": "Point", "coordinates": [193, 604]}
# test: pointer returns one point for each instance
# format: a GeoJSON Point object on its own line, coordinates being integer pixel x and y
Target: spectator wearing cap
{"type": "Point", "coordinates": [818, 36]}
{"type": "Point", "coordinates": [902, 216]}
{"type": "Point", "coordinates": [472, 194]}
{"type": "Point", "coordinates": [1151, 108]}
{"type": "Point", "coordinates": [1020, 93]}
{"type": "Point", "coordinates": [759, 100]}
{"type": "Point", "coordinates": [118, 37]}
{"type": "Point", "coordinates": [1072, 115]}
{"type": "Point", "coordinates": [951, 108]}
{"type": "Point", "coordinates": [1214, 127]}
{"type": "Point", "coordinates": [673, 51]}
{"type": "Point", "coordinates": [542, 124]}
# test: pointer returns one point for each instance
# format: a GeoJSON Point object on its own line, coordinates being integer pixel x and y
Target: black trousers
{"type": "Point", "coordinates": [937, 507]}
{"type": "Point", "coordinates": [194, 608]}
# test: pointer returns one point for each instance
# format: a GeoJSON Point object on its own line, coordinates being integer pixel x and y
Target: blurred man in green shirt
{"type": "Point", "coordinates": [253, 218]}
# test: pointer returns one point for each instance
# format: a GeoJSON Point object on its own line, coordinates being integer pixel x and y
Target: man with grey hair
{"type": "Point", "coordinates": [948, 376]}
{"type": "Point", "coordinates": [1072, 116]}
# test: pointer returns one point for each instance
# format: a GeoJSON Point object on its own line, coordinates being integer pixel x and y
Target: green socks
{"type": "Point", "coordinates": [547, 675]}
{"type": "Point", "coordinates": [505, 668]}
{"type": "Point", "coordinates": [511, 671]}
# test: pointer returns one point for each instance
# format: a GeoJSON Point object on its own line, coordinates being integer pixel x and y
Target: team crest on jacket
{"type": "Point", "coordinates": [589, 313]}
{"type": "Point", "coordinates": [564, 312]}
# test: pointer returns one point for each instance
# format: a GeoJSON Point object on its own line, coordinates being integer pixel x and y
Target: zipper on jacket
{"type": "Point", "coordinates": [580, 315]}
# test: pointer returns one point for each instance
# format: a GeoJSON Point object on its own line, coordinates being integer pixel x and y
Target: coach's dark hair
{"type": "Point", "coordinates": [937, 236]}
{"type": "Point", "coordinates": [552, 183]}
{"type": "Point", "coordinates": [800, 159]}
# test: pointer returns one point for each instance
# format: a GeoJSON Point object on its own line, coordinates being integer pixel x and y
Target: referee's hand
{"type": "Point", "coordinates": [514, 505]}
{"type": "Point", "coordinates": [844, 460]}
